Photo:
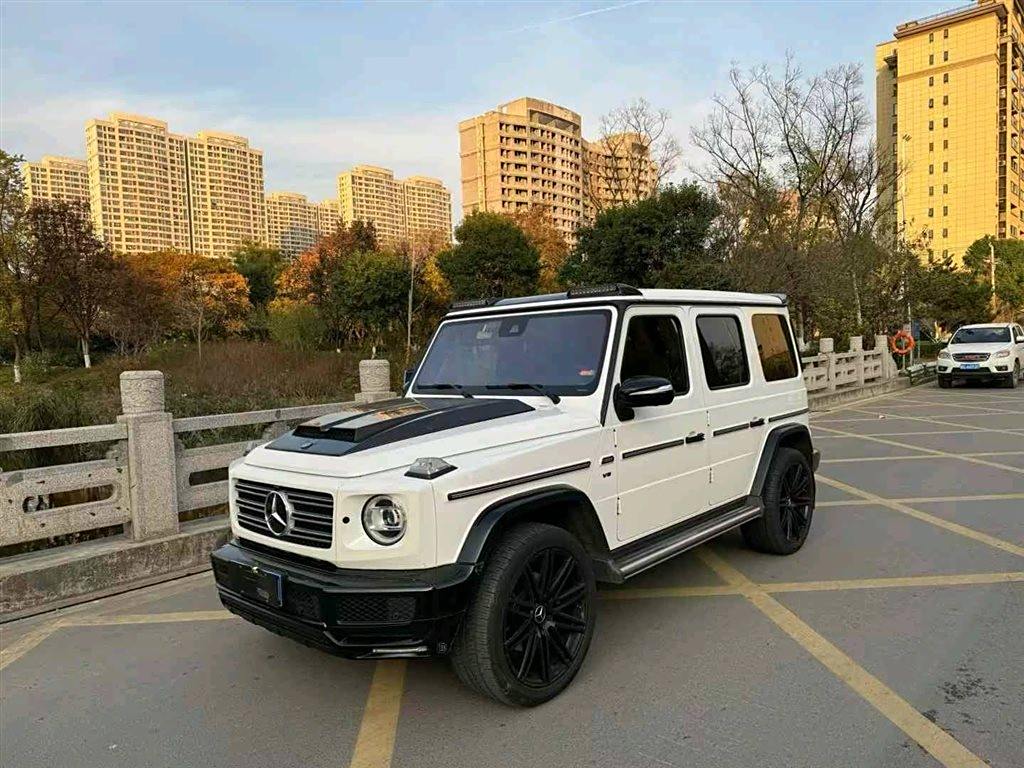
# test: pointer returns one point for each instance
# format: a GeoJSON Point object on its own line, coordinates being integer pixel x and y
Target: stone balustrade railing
{"type": "Point", "coordinates": [830, 370]}
{"type": "Point", "coordinates": [148, 477]}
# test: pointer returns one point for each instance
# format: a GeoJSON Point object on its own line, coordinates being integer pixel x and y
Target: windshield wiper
{"type": "Point", "coordinates": [457, 387]}
{"type": "Point", "coordinates": [535, 387]}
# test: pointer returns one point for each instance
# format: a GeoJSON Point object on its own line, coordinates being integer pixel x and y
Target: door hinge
{"type": "Point", "coordinates": [711, 474]}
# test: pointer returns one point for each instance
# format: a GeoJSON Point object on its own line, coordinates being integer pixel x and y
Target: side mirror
{"type": "Point", "coordinates": [641, 392]}
{"type": "Point", "coordinates": [407, 377]}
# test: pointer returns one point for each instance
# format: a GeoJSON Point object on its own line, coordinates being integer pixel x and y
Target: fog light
{"type": "Point", "coordinates": [384, 520]}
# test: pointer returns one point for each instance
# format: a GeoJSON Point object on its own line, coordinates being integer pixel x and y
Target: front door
{"type": "Point", "coordinates": [661, 455]}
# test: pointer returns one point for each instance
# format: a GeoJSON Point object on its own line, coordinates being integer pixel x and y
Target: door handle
{"type": "Point", "coordinates": [694, 437]}
{"type": "Point", "coordinates": [758, 422]}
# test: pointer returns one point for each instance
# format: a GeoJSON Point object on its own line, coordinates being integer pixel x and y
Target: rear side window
{"type": "Point", "coordinates": [774, 347]}
{"type": "Point", "coordinates": [721, 347]}
{"type": "Point", "coordinates": [654, 347]}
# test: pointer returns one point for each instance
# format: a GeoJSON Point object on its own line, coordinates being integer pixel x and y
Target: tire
{"type": "Point", "coordinates": [1015, 376]}
{"type": "Point", "coordinates": [945, 382]}
{"type": "Point", "coordinates": [530, 623]}
{"type": "Point", "coordinates": [788, 499]}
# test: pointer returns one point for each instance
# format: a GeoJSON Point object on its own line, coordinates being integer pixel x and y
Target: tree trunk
{"type": "Point", "coordinates": [408, 313]}
{"type": "Point", "coordinates": [85, 352]}
{"type": "Point", "coordinates": [856, 302]}
{"type": "Point", "coordinates": [17, 361]}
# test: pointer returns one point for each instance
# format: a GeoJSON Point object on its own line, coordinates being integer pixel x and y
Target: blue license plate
{"type": "Point", "coordinates": [970, 366]}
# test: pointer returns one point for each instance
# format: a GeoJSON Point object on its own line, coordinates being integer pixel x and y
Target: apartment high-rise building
{"type": "Point", "coordinates": [150, 189]}
{"type": "Point", "coordinates": [292, 223]}
{"type": "Point", "coordinates": [56, 178]}
{"type": "Point", "coordinates": [328, 217]}
{"type": "Point", "coordinates": [531, 152]}
{"type": "Point", "coordinates": [372, 194]}
{"type": "Point", "coordinates": [428, 206]}
{"type": "Point", "coordinates": [138, 186]}
{"type": "Point", "coordinates": [948, 90]}
{"type": "Point", "coordinates": [225, 187]}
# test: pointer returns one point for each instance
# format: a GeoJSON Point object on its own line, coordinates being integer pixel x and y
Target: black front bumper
{"type": "Point", "coordinates": [349, 612]}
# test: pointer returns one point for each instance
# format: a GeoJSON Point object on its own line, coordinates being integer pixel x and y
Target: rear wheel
{"type": "Point", "coordinates": [788, 505]}
{"type": "Point", "coordinates": [529, 626]}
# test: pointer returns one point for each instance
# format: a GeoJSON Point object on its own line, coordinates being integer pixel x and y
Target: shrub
{"type": "Point", "coordinates": [295, 326]}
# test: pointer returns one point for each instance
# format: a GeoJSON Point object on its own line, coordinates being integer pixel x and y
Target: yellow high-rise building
{"type": "Point", "coordinates": [292, 223]}
{"type": "Point", "coordinates": [56, 178]}
{"type": "Point", "coordinates": [328, 217]}
{"type": "Point", "coordinates": [949, 102]}
{"type": "Point", "coordinates": [396, 208]}
{"type": "Point", "coordinates": [531, 152]}
{"type": "Point", "coordinates": [138, 187]}
{"type": "Point", "coordinates": [226, 201]}
{"type": "Point", "coordinates": [150, 189]}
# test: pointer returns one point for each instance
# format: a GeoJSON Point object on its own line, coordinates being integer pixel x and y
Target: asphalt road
{"type": "Point", "coordinates": [893, 638]}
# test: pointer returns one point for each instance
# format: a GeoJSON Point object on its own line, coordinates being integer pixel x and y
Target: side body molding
{"type": "Point", "coordinates": [787, 435]}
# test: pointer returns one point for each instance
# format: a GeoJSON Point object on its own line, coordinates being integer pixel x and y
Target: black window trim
{"type": "Point", "coordinates": [790, 342]}
{"type": "Point", "coordinates": [627, 318]}
{"type": "Point", "coordinates": [738, 317]}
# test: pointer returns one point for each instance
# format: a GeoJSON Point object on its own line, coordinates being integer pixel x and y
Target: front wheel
{"type": "Point", "coordinates": [945, 382]}
{"type": "Point", "coordinates": [528, 628]}
{"type": "Point", "coordinates": [788, 500]}
{"type": "Point", "coordinates": [1015, 376]}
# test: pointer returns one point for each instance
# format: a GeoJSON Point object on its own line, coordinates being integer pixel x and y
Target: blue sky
{"type": "Point", "coordinates": [320, 86]}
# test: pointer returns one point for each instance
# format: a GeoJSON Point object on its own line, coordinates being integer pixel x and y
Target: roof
{"type": "Point", "coordinates": [621, 293]}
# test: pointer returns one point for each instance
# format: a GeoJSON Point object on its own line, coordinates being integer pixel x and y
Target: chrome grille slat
{"type": "Point", "coordinates": [312, 519]}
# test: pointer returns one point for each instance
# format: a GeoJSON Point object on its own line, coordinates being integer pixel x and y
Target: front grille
{"type": "Point", "coordinates": [313, 517]}
{"type": "Point", "coordinates": [970, 357]}
{"type": "Point", "coordinates": [355, 609]}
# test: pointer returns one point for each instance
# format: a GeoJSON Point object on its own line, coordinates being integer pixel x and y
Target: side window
{"type": "Point", "coordinates": [654, 347]}
{"type": "Point", "coordinates": [774, 347]}
{"type": "Point", "coordinates": [1020, 333]}
{"type": "Point", "coordinates": [721, 347]}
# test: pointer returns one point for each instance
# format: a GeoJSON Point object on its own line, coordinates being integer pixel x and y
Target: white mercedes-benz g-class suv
{"type": "Point", "coordinates": [543, 444]}
{"type": "Point", "coordinates": [989, 351]}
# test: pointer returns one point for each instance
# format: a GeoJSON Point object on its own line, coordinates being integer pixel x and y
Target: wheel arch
{"type": "Point", "coordinates": [560, 505]}
{"type": "Point", "coordinates": [796, 436]}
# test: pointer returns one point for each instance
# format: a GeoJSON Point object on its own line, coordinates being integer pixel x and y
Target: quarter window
{"type": "Point", "coordinates": [774, 347]}
{"type": "Point", "coordinates": [654, 347]}
{"type": "Point", "coordinates": [723, 352]}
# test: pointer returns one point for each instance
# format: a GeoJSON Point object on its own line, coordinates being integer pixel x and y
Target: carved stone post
{"type": "Point", "coordinates": [857, 347]}
{"type": "Point", "coordinates": [152, 481]}
{"type": "Point", "coordinates": [882, 346]}
{"type": "Point", "coordinates": [374, 381]}
{"type": "Point", "coordinates": [827, 347]}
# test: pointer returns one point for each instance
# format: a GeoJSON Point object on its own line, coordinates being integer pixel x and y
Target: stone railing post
{"type": "Point", "coordinates": [152, 481]}
{"type": "Point", "coordinates": [374, 381]}
{"type": "Point", "coordinates": [857, 347]}
{"type": "Point", "coordinates": [882, 346]}
{"type": "Point", "coordinates": [827, 347]}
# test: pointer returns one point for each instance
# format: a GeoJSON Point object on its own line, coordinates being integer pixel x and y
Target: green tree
{"type": "Point", "coordinates": [493, 259]}
{"type": "Point", "coordinates": [948, 294]}
{"type": "Point", "coordinates": [1009, 255]}
{"type": "Point", "coordinates": [658, 242]}
{"type": "Point", "coordinates": [260, 265]}
{"type": "Point", "coordinates": [368, 295]}
{"type": "Point", "coordinates": [16, 278]}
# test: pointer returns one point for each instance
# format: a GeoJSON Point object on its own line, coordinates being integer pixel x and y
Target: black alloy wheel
{"type": "Point", "coordinates": [788, 500]}
{"type": "Point", "coordinates": [796, 502]}
{"type": "Point", "coordinates": [546, 618]}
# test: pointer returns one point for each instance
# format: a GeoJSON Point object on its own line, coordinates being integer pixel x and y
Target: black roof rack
{"type": "Point", "coordinates": [608, 289]}
{"type": "Point", "coordinates": [472, 303]}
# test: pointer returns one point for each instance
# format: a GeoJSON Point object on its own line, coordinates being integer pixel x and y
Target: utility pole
{"type": "Point", "coordinates": [992, 272]}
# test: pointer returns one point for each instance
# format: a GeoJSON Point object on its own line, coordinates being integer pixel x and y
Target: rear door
{"type": "Point", "coordinates": [733, 407]}
{"type": "Point", "coordinates": [661, 453]}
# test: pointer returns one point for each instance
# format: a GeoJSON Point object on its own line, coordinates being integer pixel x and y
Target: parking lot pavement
{"type": "Point", "coordinates": [891, 639]}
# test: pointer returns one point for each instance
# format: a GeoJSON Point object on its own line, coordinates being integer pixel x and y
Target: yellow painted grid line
{"type": "Point", "coordinates": [104, 620]}
{"type": "Point", "coordinates": [27, 642]}
{"type": "Point", "coordinates": [904, 457]}
{"type": "Point", "coordinates": [939, 744]}
{"type": "Point", "coordinates": [963, 530]}
{"type": "Point", "coordinates": [376, 740]}
{"type": "Point", "coordinates": [920, 499]}
{"type": "Point", "coordinates": [933, 420]}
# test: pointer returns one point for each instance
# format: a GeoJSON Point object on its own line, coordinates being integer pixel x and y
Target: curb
{"type": "Point", "coordinates": [842, 397]}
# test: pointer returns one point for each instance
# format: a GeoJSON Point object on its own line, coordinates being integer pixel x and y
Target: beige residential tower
{"type": "Point", "coordinates": [57, 178]}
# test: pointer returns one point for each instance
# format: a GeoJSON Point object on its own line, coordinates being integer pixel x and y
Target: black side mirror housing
{"type": "Point", "coordinates": [407, 377]}
{"type": "Point", "coordinates": [641, 392]}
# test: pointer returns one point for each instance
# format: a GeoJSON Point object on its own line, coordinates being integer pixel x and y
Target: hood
{"type": "Point", "coordinates": [394, 433]}
{"type": "Point", "coordinates": [989, 348]}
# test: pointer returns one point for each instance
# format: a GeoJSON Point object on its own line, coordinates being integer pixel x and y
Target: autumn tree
{"type": "Point", "coordinates": [547, 240]}
{"type": "Point", "coordinates": [80, 266]}
{"type": "Point", "coordinates": [213, 297]}
{"type": "Point", "coordinates": [143, 305]}
{"type": "Point", "coordinates": [493, 258]}
{"type": "Point", "coordinates": [426, 289]}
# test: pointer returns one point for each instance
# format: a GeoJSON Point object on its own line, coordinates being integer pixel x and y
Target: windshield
{"type": "Point", "coordinates": [559, 352]}
{"type": "Point", "coordinates": [980, 336]}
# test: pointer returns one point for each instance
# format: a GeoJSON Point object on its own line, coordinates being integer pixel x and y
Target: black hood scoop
{"type": "Point", "coordinates": [377, 424]}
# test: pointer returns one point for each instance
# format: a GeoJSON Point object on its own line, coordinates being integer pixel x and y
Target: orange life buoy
{"type": "Point", "coordinates": [902, 343]}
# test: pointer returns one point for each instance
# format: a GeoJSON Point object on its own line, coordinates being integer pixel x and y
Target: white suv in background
{"type": "Point", "coordinates": [545, 443]}
{"type": "Point", "coordinates": [990, 351]}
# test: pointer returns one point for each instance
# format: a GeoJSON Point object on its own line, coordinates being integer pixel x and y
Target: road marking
{"type": "Point", "coordinates": [933, 451]}
{"type": "Point", "coordinates": [932, 420]}
{"type": "Point", "coordinates": [888, 434]}
{"type": "Point", "coordinates": [951, 580]}
{"type": "Point", "coordinates": [939, 744]}
{"type": "Point", "coordinates": [104, 620]}
{"type": "Point", "coordinates": [963, 530]}
{"type": "Point", "coordinates": [27, 642]}
{"type": "Point", "coordinates": [917, 456]}
{"type": "Point", "coordinates": [922, 499]}
{"type": "Point", "coordinates": [642, 593]}
{"type": "Point", "coordinates": [375, 743]}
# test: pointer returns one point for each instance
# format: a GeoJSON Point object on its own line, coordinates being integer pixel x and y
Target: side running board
{"type": "Point", "coordinates": [619, 568]}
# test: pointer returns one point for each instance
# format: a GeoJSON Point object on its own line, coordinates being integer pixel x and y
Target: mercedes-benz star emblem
{"type": "Point", "coordinates": [277, 512]}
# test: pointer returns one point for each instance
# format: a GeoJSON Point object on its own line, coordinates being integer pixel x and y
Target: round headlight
{"type": "Point", "coordinates": [384, 520]}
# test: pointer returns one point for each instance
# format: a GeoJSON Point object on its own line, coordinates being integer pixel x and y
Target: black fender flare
{"type": "Point", "coordinates": [796, 435]}
{"type": "Point", "coordinates": [508, 509]}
